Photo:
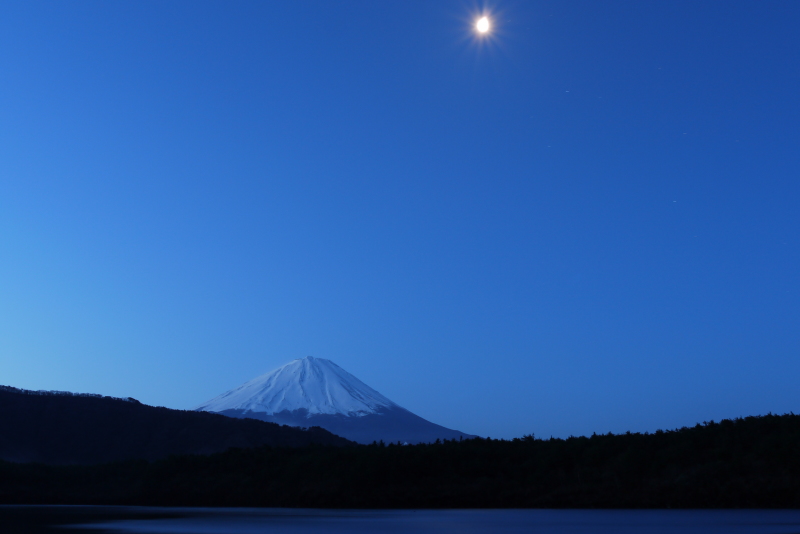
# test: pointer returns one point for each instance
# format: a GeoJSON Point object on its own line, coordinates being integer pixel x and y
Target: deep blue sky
{"type": "Point", "coordinates": [585, 223]}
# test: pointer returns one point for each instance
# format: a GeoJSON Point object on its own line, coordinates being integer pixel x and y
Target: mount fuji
{"type": "Point", "coordinates": [316, 392]}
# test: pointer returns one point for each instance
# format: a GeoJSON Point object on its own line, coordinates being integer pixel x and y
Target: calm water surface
{"type": "Point", "coordinates": [111, 520]}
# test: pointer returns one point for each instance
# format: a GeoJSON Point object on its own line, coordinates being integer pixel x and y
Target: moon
{"type": "Point", "coordinates": [482, 25]}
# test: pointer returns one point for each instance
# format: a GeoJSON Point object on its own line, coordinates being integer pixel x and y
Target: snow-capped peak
{"type": "Point", "coordinates": [314, 384]}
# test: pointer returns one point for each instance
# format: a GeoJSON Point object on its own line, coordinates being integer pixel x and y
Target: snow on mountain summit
{"type": "Point", "coordinates": [313, 384]}
{"type": "Point", "coordinates": [316, 392]}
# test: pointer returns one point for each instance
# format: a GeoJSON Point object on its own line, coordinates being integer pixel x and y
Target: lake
{"type": "Point", "coordinates": [134, 520]}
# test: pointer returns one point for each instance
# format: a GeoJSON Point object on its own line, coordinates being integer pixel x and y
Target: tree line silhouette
{"type": "Point", "coordinates": [746, 462]}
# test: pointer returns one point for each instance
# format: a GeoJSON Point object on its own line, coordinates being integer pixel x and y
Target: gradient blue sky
{"type": "Point", "coordinates": [586, 223]}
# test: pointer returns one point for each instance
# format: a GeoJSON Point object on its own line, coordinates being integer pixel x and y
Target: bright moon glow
{"type": "Point", "coordinates": [482, 25]}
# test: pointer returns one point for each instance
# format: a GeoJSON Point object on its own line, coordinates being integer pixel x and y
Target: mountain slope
{"type": "Point", "coordinates": [65, 428]}
{"type": "Point", "coordinates": [317, 392]}
{"type": "Point", "coordinates": [315, 385]}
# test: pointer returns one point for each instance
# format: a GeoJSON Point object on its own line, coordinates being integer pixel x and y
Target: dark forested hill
{"type": "Point", "coordinates": [743, 463]}
{"type": "Point", "coordinates": [64, 428]}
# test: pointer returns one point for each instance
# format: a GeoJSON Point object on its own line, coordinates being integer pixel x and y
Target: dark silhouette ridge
{"type": "Point", "coordinates": [67, 428]}
{"type": "Point", "coordinates": [389, 424]}
{"type": "Point", "coordinates": [744, 463]}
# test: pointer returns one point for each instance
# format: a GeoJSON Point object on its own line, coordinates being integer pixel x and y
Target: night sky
{"type": "Point", "coordinates": [584, 221]}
